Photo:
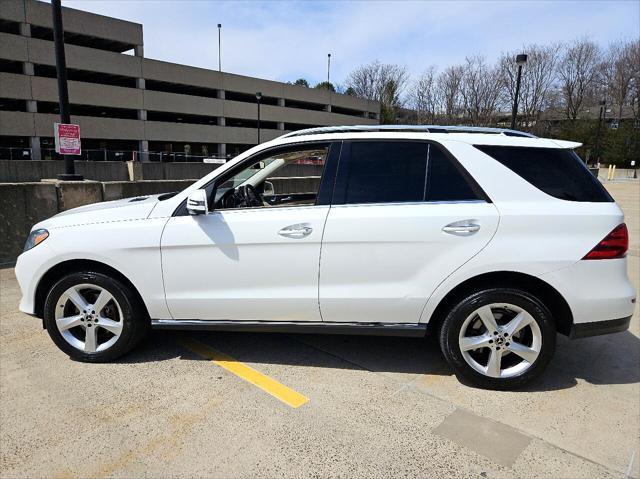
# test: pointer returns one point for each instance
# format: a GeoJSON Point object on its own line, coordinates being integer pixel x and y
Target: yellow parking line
{"type": "Point", "coordinates": [267, 384]}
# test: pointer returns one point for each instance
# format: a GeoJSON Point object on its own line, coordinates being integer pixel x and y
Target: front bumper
{"type": "Point", "coordinates": [596, 328]}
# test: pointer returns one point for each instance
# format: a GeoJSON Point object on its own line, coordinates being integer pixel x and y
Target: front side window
{"type": "Point", "coordinates": [399, 172]}
{"type": "Point", "coordinates": [287, 178]}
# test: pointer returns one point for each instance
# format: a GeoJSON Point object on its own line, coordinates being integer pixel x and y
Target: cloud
{"type": "Point", "coordinates": [285, 40]}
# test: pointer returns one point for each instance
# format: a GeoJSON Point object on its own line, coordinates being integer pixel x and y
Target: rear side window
{"type": "Point", "coordinates": [558, 172]}
{"type": "Point", "coordinates": [446, 180]}
{"type": "Point", "coordinates": [397, 172]}
{"type": "Point", "coordinates": [385, 172]}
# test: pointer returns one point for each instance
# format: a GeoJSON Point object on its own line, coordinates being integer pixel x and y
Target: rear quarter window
{"type": "Point", "coordinates": [557, 172]}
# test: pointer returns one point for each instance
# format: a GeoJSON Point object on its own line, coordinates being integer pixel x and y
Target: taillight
{"type": "Point", "coordinates": [614, 245]}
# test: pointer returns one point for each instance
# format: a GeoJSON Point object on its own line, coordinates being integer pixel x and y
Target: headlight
{"type": "Point", "coordinates": [35, 238]}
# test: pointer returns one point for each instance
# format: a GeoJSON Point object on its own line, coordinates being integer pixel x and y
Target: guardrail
{"type": "Point", "coordinates": [12, 153]}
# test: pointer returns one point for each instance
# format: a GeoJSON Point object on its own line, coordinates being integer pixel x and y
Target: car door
{"type": "Point", "coordinates": [404, 216]}
{"type": "Point", "coordinates": [255, 263]}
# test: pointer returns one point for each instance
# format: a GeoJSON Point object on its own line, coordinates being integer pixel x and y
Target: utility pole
{"type": "Point", "coordinates": [63, 92]}
{"type": "Point", "coordinates": [520, 60]}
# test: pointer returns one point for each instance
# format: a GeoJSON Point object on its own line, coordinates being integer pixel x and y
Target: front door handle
{"type": "Point", "coordinates": [298, 231]}
{"type": "Point", "coordinates": [462, 228]}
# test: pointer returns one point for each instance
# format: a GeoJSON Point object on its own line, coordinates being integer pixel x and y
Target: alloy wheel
{"type": "Point", "coordinates": [500, 340]}
{"type": "Point", "coordinates": [89, 318]}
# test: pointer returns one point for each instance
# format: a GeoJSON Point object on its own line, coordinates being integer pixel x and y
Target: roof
{"type": "Point", "coordinates": [444, 134]}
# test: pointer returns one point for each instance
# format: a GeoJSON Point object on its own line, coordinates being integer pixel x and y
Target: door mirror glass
{"type": "Point", "coordinates": [197, 203]}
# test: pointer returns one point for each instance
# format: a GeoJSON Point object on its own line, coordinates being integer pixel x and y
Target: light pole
{"type": "Point", "coordinates": [520, 61]}
{"type": "Point", "coordinates": [219, 48]}
{"type": "Point", "coordinates": [603, 105]}
{"type": "Point", "coordinates": [258, 97]}
{"type": "Point", "coordinates": [328, 68]}
{"type": "Point", "coordinates": [63, 92]}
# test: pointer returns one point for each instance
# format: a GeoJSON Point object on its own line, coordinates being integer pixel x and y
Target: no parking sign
{"type": "Point", "coordinates": [67, 138]}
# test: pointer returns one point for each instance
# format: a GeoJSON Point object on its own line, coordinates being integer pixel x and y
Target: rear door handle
{"type": "Point", "coordinates": [298, 231]}
{"type": "Point", "coordinates": [462, 228]}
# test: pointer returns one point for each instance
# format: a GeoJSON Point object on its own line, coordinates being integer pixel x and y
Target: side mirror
{"type": "Point", "coordinates": [269, 189]}
{"type": "Point", "coordinates": [197, 203]}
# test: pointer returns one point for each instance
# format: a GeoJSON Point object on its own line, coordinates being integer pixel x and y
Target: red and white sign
{"type": "Point", "coordinates": [67, 138]}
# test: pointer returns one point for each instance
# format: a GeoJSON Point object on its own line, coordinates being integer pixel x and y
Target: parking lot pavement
{"type": "Point", "coordinates": [205, 404]}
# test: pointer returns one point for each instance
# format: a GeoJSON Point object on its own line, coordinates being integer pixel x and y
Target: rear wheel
{"type": "Point", "coordinates": [93, 318]}
{"type": "Point", "coordinates": [498, 338]}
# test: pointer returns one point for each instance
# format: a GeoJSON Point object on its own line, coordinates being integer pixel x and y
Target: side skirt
{"type": "Point", "coordinates": [368, 329]}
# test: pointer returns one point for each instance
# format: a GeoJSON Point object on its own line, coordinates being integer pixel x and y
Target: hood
{"type": "Point", "coordinates": [135, 208]}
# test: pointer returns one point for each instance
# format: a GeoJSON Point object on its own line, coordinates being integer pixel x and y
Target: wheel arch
{"type": "Point", "coordinates": [74, 266]}
{"type": "Point", "coordinates": [552, 299]}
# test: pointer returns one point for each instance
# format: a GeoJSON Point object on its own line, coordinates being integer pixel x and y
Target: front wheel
{"type": "Point", "coordinates": [498, 338]}
{"type": "Point", "coordinates": [92, 317]}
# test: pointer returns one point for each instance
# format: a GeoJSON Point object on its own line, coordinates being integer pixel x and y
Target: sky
{"type": "Point", "coordinates": [286, 40]}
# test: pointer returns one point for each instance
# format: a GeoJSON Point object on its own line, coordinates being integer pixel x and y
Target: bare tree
{"type": "Point", "coordinates": [634, 100]}
{"type": "Point", "coordinates": [448, 87]}
{"type": "Point", "coordinates": [423, 97]}
{"type": "Point", "coordinates": [618, 71]}
{"type": "Point", "coordinates": [578, 73]}
{"type": "Point", "coordinates": [538, 78]}
{"type": "Point", "coordinates": [480, 90]}
{"type": "Point", "coordinates": [381, 82]}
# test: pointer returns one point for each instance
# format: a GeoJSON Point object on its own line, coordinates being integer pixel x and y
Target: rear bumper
{"type": "Point", "coordinates": [596, 328]}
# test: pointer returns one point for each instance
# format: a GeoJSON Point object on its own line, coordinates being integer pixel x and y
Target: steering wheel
{"type": "Point", "coordinates": [247, 196]}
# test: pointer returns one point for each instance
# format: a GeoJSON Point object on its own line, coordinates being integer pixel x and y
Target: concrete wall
{"type": "Point", "coordinates": [17, 171]}
{"type": "Point", "coordinates": [24, 204]}
{"type": "Point", "coordinates": [21, 206]}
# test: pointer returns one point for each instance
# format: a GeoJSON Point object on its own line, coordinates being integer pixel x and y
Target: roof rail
{"type": "Point", "coordinates": [322, 130]}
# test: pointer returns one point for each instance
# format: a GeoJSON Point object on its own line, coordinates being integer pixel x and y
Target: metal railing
{"type": "Point", "coordinates": [13, 153]}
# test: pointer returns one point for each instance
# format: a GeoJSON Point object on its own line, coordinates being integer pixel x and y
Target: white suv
{"type": "Point", "coordinates": [492, 239]}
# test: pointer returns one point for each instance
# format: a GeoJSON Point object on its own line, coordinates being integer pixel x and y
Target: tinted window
{"type": "Point", "coordinates": [399, 171]}
{"type": "Point", "coordinates": [558, 172]}
{"type": "Point", "coordinates": [446, 181]}
{"type": "Point", "coordinates": [384, 172]}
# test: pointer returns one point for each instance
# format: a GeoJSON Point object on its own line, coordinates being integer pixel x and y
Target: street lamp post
{"type": "Point", "coordinates": [258, 98]}
{"type": "Point", "coordinates": [328, 68]}
{"type": "Point", "coordinates": [520, 61]}
{"type": "Point", "coordinates": [63, 92]}
{"type": "Point", "coordinates": [219, 48]}
{"type": "Point", "coordinates": [603, 105]}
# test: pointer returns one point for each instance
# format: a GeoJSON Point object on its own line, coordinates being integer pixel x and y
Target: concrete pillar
{"type": "Point", "coordinates": [142, 114]}
{"type": "Point", "coordinates": [222, 150]}
{"type": "Point", "coordinates": [281, 102]}
{"type": "Point", "coordinates": [221, 121]}
{"type": "Point", "coordinates": [34, 144]}
{"type": "Point", "coordinates": [143, 148]}
{"type": "Point", "coordinates": [221, 94]}
{"type": "Point", "coordinates": [329, 108]}
{"type": "Point", "coordinates": [27, 68]}
{"type": "Point", "coordinates": [25, 29]}
{"type": "Point", "coordinates": [32, 106]}
{"type": "Point", "coordinates": [281, 125]}
{"type": "Point", "coordinates": [138, 50]}
{"type": "Point", "coordinates": [140, 83]}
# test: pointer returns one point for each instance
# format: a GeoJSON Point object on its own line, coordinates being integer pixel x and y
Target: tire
{"type": "Point", "coordinates": [89, 335]}
{"type": "Point", "coordinates": [486, 359]}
